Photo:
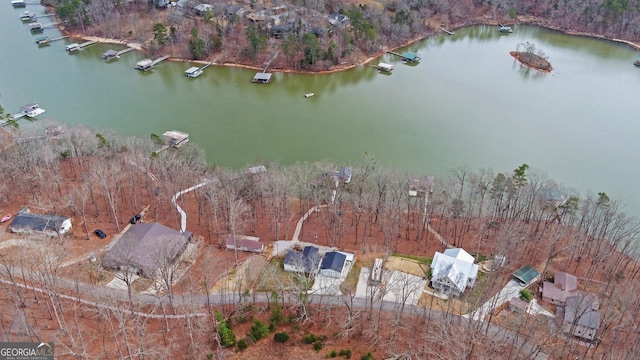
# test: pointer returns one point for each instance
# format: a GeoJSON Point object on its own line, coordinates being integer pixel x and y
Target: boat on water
{"type": "Point", "coordinates": [41, 41]}
{"type": "Point", "coordinates": [31, 110]}
{"type": "Point", "coordinates": [18, 3]}
{"type": "Point", "coordinates": [505, 29]}
{"type": "Point", "coordinates": [28, 16]}
{"type": "Point", "coordinates": [308, 95]}
{"type": "Point", "coordinates": [193, 72]}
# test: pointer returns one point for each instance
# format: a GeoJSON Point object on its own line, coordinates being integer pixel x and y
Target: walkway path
{"type": "Point", "coordinates": [183, 215]}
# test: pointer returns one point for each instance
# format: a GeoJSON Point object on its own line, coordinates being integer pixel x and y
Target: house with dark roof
{"type": "Point", "coordinates": [526, 275]}
{"type": "Point", "coordinates": [453, 271]}
{"type": "Point", "coordinates": [564, 285]}
{"type": "Point", "coordinates": [306, 261]}
{"type": "Point", "coordinates": [244, 243]}
{"type": "Point", "coordinates": [581, 317]}
{"type": "Point", "coordinates": [51, 225]}
{"type": "Point", "coordinates": [333, 264]}
{"type": "Point", "coordinates": [146, 248]}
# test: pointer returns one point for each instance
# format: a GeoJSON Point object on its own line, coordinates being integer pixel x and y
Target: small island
{"type": "Point", "coordinates": [532, 57]}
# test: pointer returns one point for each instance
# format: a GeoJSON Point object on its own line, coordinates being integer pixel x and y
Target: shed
{"type": "Point", "coordinates": [51, 225]}
{"type": "Point", "coordinates": [333, 264]}
{"type": "Point", "coordinates": [518, 305]}
{"type": "Point", "coordinates": [526, 275]}
{"type": "Point", "coordinates": [244, 243]}
{"type": "Point", "coordinates": [146, 248]}
{"type": "Point", "coordinates": [376, 270]}
{"type": "Point", "coordinates": [262, 78]}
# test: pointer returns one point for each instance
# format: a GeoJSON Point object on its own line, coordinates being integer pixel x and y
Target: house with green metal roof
{"type": "Point", "coordinates": [526, 275]}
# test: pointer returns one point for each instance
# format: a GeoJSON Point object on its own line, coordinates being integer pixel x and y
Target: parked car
{"type": "Point", "coordinates": [100, 233]}
{"type": "Point", "coordinates": [135, 218]}
{"type": "Point", "coordinates": [5, 218]}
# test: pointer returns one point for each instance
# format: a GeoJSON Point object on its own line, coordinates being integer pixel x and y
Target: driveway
{"type": "Point", "coordinates": [511, 289]}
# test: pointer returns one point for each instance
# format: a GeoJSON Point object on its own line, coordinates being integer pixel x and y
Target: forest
{"type": "Point", "coordinates": [217, 303]}
{"type": "Point", "coordinates": [323, 35]}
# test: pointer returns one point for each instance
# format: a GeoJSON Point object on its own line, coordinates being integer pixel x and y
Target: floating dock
{"type": "Point", "coordinates": [18, 3]}
{"type": "Point", "coordinates": [385, 67]}
{"type": "Point", "coordinates": [175, 138]}
{"type": "Point", "coordinates": [196, 71]}
{"type": "Point", "coordinates": [28, 16]}
{"type": "Point", "coordinates": [148, 64]}
{"type": "Point", "coordinates": [112, 54]}
{"type": "Point", "coordinates": [262, 78]}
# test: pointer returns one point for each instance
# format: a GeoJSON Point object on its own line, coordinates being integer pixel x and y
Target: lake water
{"type": "Point", "coordinates": [468, 102]}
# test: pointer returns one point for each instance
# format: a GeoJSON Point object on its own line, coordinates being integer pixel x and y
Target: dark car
{"type": "Point", "coordinates": [135, 218]}
{"type": "Point", "coordinates": [100, 233]}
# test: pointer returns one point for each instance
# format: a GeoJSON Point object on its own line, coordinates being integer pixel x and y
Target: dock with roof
{"type": "Point", "coordinates": [408, 57]}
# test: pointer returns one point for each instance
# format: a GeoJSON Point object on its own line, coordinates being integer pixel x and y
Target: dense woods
{"type": "Point", "coordinates": [101, 179]}
{"type": "Point", "coordinates": [323, 35]}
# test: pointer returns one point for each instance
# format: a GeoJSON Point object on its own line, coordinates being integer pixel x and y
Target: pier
{"type": "Point", "coordinates": [46, 40]}
{"type": "Point", "coordinates": [112, 54]}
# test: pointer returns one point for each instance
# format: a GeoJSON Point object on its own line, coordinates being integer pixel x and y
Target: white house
{"type": "Point", "coordinates": [452, 271]}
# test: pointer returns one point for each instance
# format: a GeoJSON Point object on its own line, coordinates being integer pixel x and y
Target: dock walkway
{"type": "Point", "coordinates": [156, 61]}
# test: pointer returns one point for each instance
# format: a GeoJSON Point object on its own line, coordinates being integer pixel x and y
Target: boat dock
{"type": "Point", "coordinates": [408, 57]}
{"type": "Point", "coordinates": [45, 40]}
{"type": "Point", "coordinates": [447, 31]}
{"type": "Point", "coordinates": [148, 64]}
{"type": "Point", "coordinates": [30, 110]}
{"type": "Point", "coordinates": [75, 46]}
{"type": "Point", "coordinates": [112, 54]}
{"type": "Point", "coordinates": [196, 71]}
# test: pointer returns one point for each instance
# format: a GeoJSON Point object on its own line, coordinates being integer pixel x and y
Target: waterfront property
{"type": "Point", "coordinates": [52, 225]}
{"type": "Point", "coordinates": [453, 271]}
{"type": "Point", "coordinates": [580, 317]}
{"type": "Point", "coordinates": [564, 286]}
{"type": "Point", "coordinates": [306, 261]}
{"type": "Point", "coordinates": [175, 138]}
{"type": "Point", "coordinates": [244, 243]}
{"type": "Point", "coordinates": [145, 248]}
{"type": "Point", "coordinates": [262, 78]}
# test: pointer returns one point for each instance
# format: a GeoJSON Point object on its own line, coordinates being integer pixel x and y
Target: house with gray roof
{"type": "Point", "coordinates": [51, 225]}
{"type": "Point", "coordinates": [564, 285]}
{"type": "Point", "coordinates": [333, 264]}
{"type": "Point", "coordinates": [581, 316]}
{"type": "Point", "coordinates": [146, 248]}
{"type": "Point", "coordinates": [453, 271]}
{"type": "Point", "coordinates": [306, 261]}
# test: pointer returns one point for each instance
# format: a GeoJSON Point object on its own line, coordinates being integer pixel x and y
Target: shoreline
{"type": "Point", "coordinates": [431, 32]}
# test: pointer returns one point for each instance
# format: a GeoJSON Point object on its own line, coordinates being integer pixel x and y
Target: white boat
{"type": "Point", "coordinates": [193, 72]}
{"type": "Point", "coordinates": [308, 95]}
